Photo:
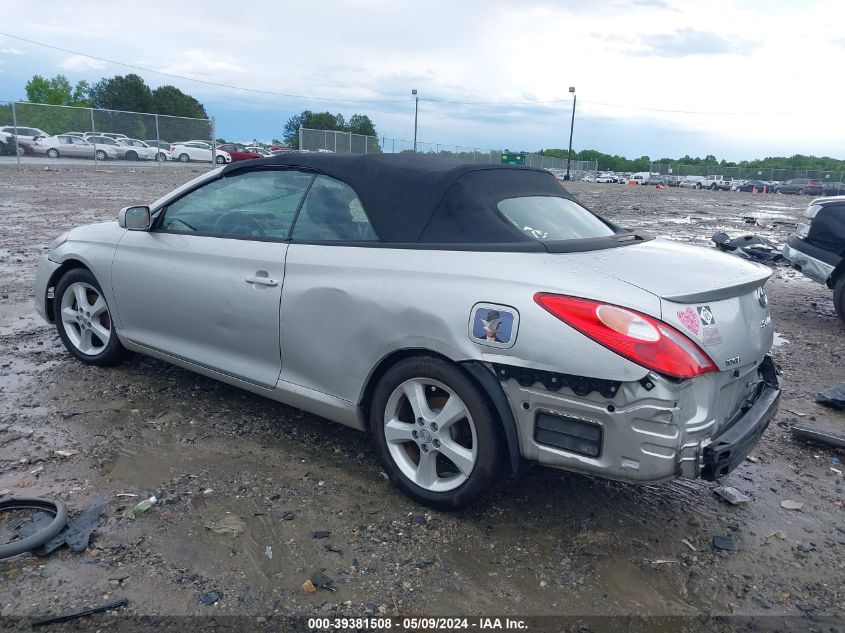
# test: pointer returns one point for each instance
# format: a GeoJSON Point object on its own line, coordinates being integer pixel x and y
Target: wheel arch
{"type": "Point", "coordinates": [475, 370]}
{"type": "Point", "coordinates": [67, 265]}
{"type": "Point", "coordinates": [838, 272]}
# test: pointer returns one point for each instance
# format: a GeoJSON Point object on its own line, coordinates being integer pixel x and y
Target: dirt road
{"type": "Point", "coordinates": [544, 543]}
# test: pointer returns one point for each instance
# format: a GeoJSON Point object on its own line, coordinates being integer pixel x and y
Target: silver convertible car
{"type": "Point", "coordinates": [469, 317]}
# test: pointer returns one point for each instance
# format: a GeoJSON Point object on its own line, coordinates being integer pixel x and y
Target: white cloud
{"type": "Point", "coordinates": [201, 64]}
{"type": "Point", "coordinates": [81, 64]}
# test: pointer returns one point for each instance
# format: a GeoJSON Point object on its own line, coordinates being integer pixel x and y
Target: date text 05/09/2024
{"type": "Point", "coordinates": [417, 623]}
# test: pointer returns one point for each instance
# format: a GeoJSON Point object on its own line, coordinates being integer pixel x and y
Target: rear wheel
{"type": "Point", "coordinates": [220, 160]}
{"type": "Point", "coordinates": [130, 156]}
{"type": "Point", "coordinates": [84, 321]}
{"type": "Point", "coordinates": [160, 157]}
{"type": "Point", "coordinates": [839, 296]}
{"type": "Point", "coordinates": [184, 158]}
{"type": "Point", "coordinates": [101, 154]}
{"type": "Point", "coordinates": [53, 152]}
{"type": "Point", "coordinates": [713, 187]}
{"type": "Point", "coordinates": [437, 437]}
{"type": "Point", "coordinates": [800, 192]}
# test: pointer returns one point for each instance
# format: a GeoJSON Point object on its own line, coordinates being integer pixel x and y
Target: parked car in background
{"type": "Point", "coordinates": [675, 181]}
{"type": "Point", "coordinates": [586, 346]}
{"type": "Point", "coordinates": [657, 179]}
{"type": "Point", "coordinates": [829, 188]}
{"type": "Point", "coordinates": [692, 182]}
{"type": "Point", "coordinates": [70, 146]}
{"type": "Point", "coordinates": [187, 151]}
{"type": "Point", "coordinates": [26, 135]}
{"type": "Point", "coordinates": [259, 150]}
{"type": "Point", "coordinates": [7, 144]}
{"type": "Point", "coordinates": [817, 248]}
{"type": "Point", "coordinates": [639, 178]}
{"type": "Point", "coordinates": [166, 145]}
{"type": "Point", "coordinates": [752, 185]}
{"type": "Point", "coordinates": [714, 182]}
{"type": "Point", "coordinates": [111, 135]}
{"type": "Point", "coordinates": [138, 150]}
{"type": "Point", "coordinates": [801, 186]}
{"type": "Point", "coordinates": [107, 141]}
{"type": "Point", "coordinates": [238, 151]}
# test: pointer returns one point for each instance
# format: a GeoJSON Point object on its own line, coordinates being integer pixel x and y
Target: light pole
{"type": "Point", "coordinates": [571, 129]}
{"type": "Point", "coordinates": [416, 110]}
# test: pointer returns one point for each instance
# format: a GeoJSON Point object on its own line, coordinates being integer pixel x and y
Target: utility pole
{"type": "Point", "coordinates": [571, 130]}
{"type": "Point", "coordinates": [416, 111]}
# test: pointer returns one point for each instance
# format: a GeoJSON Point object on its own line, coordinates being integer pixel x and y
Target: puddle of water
{"type": "Point", "coordinates": [17, 317]}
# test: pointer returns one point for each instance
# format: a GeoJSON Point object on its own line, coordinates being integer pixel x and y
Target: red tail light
{"type": "Point", "coordinates": [633, 335]}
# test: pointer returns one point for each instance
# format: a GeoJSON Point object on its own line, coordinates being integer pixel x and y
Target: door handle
{"type": "Point", "coordinates": [264, 281]}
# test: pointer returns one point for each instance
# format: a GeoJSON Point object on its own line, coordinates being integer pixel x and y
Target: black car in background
{"type": "Point", "coordinates": [752, 185]}
{"type": "Point", "coordinates": [801, 186]}
{"type": "Point", "coordinates": [817, 248]}
{"type": "Point", "coordinates": [834, 189]}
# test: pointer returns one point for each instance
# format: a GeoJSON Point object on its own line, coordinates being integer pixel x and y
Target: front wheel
{"type": "Point", "coordinates": [800, 192]}
{"type": "Point", "coordinates": [713, 187]}
{"type": "Point", "coordinates": [220, 160]}
{"type": "Point", "coordinates": [84, 320]}
{"type": "Point", "coordinates": [436, 436]}
{"type": "Point", "coordinates": [53, 152]}
{"type": "Point", "coordinates": [839, 296]}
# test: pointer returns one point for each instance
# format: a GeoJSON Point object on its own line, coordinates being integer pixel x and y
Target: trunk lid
{"type": "Point", "coordinates": [716, 299]}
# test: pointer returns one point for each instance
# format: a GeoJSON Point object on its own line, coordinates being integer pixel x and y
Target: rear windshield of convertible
{"type": "Point", "coordinates": [548, 218]}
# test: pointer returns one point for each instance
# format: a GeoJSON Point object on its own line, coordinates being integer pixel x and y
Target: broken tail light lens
{"type": "Point", "coordinates": [633, 335]}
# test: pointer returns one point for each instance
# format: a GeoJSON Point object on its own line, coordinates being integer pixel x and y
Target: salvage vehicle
{"type": "Point", "coordinates": [801, 186]}
{"type": "Point", "coordinates": [71, 146]}
{"type": "Point", "coordinates": [817, 248]}
{"type": "Point", "coordinates": [469, 317]}
{"type": "Point", "coordinates": [714, 182]}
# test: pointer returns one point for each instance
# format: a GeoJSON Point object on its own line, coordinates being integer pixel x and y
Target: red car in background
{"type": "Point", "coordinates": [238, 151]}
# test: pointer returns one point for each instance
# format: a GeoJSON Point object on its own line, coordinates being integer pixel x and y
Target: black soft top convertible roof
{"type": "Point", "coordinates": [418, 199]}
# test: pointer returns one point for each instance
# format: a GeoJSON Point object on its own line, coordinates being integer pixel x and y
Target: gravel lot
{"type": "Point", "coordinates": [544, 543]}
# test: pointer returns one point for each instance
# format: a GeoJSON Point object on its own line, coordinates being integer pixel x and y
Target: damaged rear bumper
{"type": "Point", "coordinates": [732, 445]}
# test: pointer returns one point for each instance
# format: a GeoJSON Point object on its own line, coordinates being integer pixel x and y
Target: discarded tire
{"type": "Point", "coordinates": [56, 508]}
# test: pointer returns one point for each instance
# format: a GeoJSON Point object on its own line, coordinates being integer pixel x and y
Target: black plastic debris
{"type": "Point", "coordinates": [725, 543]}
{"type": "Point", "coordinates": [288, 515]}
{"type": "Point", "coordinates": [322, 581]}
{"type": "Point", "coordinates": [319, 534]}
{"type": "Point", "coordinates": [76, 534]}
{"type": "Point", "coordinates": [211, 597]}
{"type": "Point", "coordinates": [111, 606]}
{"type": "Point", "coordinates": [751, 246]}
{"type": "Point", "coordinates": [834, 397]}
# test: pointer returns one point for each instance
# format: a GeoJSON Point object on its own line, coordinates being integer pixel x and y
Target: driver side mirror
{"type": "Point", "coordinates": [135, 218]}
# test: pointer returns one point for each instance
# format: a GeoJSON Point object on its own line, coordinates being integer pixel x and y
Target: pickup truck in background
{"type": "Point", "coordinates": [713, 183]}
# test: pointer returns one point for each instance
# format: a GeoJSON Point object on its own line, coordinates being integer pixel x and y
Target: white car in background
{"type": "Point", "coordinates": [70, 146]}
{"type": "Point", "coordinates": [607, 178]}
{"type": "Point", "coordinates": [187, 151]}
{"type": "Point", "coordinates": [259, 150]}
{"type": "Point", "coordinates": [139, 150]}
{"type": "Point", "coordinates": [26, 135]}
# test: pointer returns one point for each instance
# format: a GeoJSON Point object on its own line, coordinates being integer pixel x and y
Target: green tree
{"type": "Point", "coordinates": [171, 101]}
{"type": "Point", "coordinates": [127, 92]}
{"type": "Point", "coordinates": [361, 124]}
{"type": "Point", "coordinates": [358, 124]}
{"type": "Point", "coordinates": [56, 91]}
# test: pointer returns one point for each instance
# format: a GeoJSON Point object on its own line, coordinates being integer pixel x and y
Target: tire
{"type": "Point", "coordinates": [83, 319]}
{"type": "Point", "coordinates": [101, 155]}
{"type": "Point", "coordinates": [698, 186]}
{"type": "Point", "coordinates": [468, 432]}
{"type": "Point", "coordinates": [777, 190]}
{"type": "Point", "coordinates": [161, 157]}
{"type": "Point", "coordinates": [839, 296]}
{"type": "Point", "coordinates": [53, 152]}
{"type": "Point", "coordinates": [130, 156]}
{"type": "Point", "coordinates": [220, 160]}
{"type": "Point", "coordinates": [184, 158]}
{"type": "Point", "coordinates": [713, 187]}
{"type": "Point", "coordinates": [800, 192]}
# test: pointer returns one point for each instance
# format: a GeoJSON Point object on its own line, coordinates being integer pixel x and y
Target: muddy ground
{"type": "Point", "coordinates": [544, 543]}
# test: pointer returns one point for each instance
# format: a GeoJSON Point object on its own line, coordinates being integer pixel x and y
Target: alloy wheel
{"type": "Point", "coordinates": [86, 319]}
{"type": "Point", "coordinates": [430, 434]}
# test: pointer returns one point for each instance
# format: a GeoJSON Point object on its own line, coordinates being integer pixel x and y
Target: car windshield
{"type": "Point", "coordinates": [551, 218]}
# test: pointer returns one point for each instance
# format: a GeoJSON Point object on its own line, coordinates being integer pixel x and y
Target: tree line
{"type": "Point", "coordinates": [357, 124]}
{"type": "Point", "coordinates": [614, 162]}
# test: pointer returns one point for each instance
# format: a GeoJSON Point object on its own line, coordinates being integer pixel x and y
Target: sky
{"type": "Point", "coordinates": [664, 78]}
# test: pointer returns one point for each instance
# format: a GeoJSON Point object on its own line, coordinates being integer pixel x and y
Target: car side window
{"type": "Point", "coordinates": [332, 212]}
{"type": "Point", "coordinates": [253, 204]}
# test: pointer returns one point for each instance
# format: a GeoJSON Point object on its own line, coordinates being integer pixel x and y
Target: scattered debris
{"type": "Point", "coordinates": [750, 246]}
{"type": "Point", "coordinates": [320, 534]}
{"type": "Point", "coordinates": [662, 561]}
{"type": "Point", "coordinates": [789, 504]}
{"type": "Point", "coordinates": [779, 535]}
{"type": "Point", "coordinates": [804, 432]}
{"type": "Point", "coordinates": [798, 413]}
{"type": "Point", "coordinates": [725, 543]}
{"type": "Point", "coordinates": [207, 491]}
{"type": "Point", "coordinates": [836, 471]}
{"type": "Point", "coordinates": [66, 453]}
{"type": "Point", "coordinates": [834, 397]}
{"type": "Point", "coordinates": [288, 515]}
{"type": "Point", "coordinates": [229, 524]}
{"type": "Point", "coordinates": [268, 552]}
{"type": "Point", "coordinates": [111, 606]}
{"type": "Point", "coordinates": [76, 534]}
{"type": "Point", "coordinates": [37, 470]}
{"type": "Point", "coordinates": [126, 494]}
{"type": "Point", "coordinates": [319, 579]}
{"type": "Point", "coordinates": [752, 459]}
{"type": "Point", "coordinates": [308, 587]}
{"type": "Point", "coordinates": [145, 505]}
{"type": "Point", "coordinates": [689, 544]}
{"type": "Point", "coordinates": [732, 495]}
{"type": "Point", "coordinates": [211, 597]}
{"type": "Point", "coordinates": [46, 528]}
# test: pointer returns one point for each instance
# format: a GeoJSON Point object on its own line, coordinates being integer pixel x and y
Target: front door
{"type": "Point", "coordinates": [205, 284]}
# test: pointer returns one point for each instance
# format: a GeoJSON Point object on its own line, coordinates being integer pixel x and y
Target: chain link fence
{"type": "Point", "coordinates": [747, 173]}
{"type": "Point", "coordinates": [348, 143]}
{"type": "Point", "coordinates": [37, 133]}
